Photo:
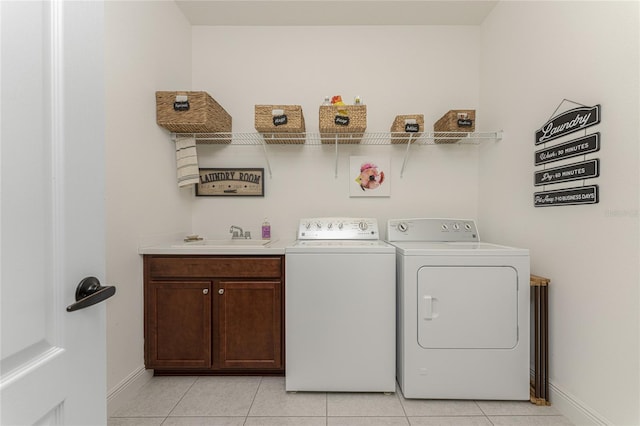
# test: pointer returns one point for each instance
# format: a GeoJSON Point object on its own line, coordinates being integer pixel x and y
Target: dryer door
{"type": "Point", "coordinates": [467, 307]}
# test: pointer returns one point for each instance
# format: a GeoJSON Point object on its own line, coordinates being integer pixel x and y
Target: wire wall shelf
{"type": "Point", "coordinates": [380, 138]}
{"type": "Point", "coordinates": [338, 139]}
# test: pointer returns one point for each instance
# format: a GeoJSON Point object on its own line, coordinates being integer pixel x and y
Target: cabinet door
{"type": "Point", "coordinates": [248, 316]}
{"type": "Point", "coordinates": [178, 324]}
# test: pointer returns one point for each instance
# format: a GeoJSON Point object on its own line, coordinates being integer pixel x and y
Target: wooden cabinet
{"type": "Point", "coordinates": [214, 314]}
{"type": "Point", "coordinates": [249, 325]}
{"type": "Point", "coordinates": [178, 324]}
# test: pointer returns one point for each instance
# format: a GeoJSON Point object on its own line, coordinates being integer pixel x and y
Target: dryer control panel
{"type": "Point", "coordinates": [432, 229]}
{"type": "Point", "coordinates": [338, 228]}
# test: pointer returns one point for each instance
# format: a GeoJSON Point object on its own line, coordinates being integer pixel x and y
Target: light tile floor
{"type": "Point", "coordinates": [253, 401]}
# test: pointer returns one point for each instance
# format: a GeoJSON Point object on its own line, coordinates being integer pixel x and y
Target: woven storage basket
{"type": "Point", "coordinates": [202, 115]}
{"type": "Point", "coordinates": [402, 132]}
{"type": "Point", "coordinates": [280, 123]}
{"type": "Point", "coordinates": [332, 115]}
{"type": "Point", "coordinates": [456, 120]}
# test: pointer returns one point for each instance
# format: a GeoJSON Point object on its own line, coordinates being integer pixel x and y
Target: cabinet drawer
{"type": "Point", "coordinates": [210, 267]}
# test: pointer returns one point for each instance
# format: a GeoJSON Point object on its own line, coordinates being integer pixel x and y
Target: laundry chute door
{"type": "Point", "coordinates": [467, 307]}
{"type": "Point", "coordinates": [53, 362]}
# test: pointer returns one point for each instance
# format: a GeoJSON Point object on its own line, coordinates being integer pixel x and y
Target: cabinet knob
{"type": "Point", "coordinates": [205, 291]}
{"type": "Point", "coordinates": [221, 291]}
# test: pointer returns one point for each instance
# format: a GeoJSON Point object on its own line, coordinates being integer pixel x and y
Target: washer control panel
{"type": "Point", "coordinates": [432, 229]}
{"type": "Point", "coordinates": [338, 228]}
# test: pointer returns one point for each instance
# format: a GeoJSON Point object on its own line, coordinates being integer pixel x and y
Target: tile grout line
{"type": "Point", "coordinates": [253, 400]}
{"type": "Point", "coordinates": [398, 395]}
{"type": "Point", "coordinates": [483, 413]}
{"type": "Point", "coordinates": [326, 408]}
{"type": "Point", "coordinates": [180, 400]}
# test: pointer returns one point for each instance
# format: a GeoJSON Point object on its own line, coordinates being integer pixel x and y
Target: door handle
{"type": "Point", "coordinates": [89, 292]}
{"type": "Point", "coordinates": [429, 307]}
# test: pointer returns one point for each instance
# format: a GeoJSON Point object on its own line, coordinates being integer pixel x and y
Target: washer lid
{"type": "Point", "coordinates": [340, 246]}
{"type": "Point", "coordinates": [423, 248]}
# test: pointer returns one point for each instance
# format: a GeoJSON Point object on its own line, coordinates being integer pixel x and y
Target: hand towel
{"type": "Point", "coordinates": [187, 161]}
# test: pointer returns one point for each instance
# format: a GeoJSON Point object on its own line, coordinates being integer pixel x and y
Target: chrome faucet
{"type": "Point", "coordinates": [237, 232]}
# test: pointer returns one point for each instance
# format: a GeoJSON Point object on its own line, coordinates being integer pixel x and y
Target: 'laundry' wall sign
{"type": "Point", "coordinates": [556, 127]}
{"type": "Point", "coordinates": [568, 122]}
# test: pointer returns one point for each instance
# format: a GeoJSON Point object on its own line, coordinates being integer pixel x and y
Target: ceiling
{"type": "Point", "coordinates": [335, 12]}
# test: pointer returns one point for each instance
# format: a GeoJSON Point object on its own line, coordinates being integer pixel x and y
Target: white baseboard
{"type": "Point", "coordinates": [127, 389]}
{"type": "Point", "coordinates": [574, 409]}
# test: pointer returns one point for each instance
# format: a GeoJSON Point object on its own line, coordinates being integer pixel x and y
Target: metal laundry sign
{"type": "Point", "coordinates": [568, 196]}
{"type": "Point", "coordinates": [573, 148]}
{"type": "Point", "coordinates": [575, 171]}
{"type": "Point", "coordinates": [573, 120]}
{"type": "Point", "coordinates": [568, 122]}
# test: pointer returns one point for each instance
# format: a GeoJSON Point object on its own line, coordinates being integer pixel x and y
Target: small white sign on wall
{"type": "Point", "coordinates": [369, 176]}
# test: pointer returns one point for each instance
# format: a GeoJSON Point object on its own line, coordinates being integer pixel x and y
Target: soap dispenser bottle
{"type": "Point", "coordinates": [266, 229]}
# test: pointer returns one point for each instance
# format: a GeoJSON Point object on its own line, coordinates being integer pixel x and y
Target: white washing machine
{"type": "Point", "coordinates": [340, 307]}
{"type": "Point", "coordinates": [463, 312]}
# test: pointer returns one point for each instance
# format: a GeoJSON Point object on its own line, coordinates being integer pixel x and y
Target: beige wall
{"type": "Point", "coordinates": [535, 54]}
{"type": "Point", "coordinates": [148, 48]}
{"type": "Point", "coordinates": [395, 70]}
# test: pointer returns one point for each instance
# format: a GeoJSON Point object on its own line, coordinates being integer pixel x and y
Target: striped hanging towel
{"type": "Point", "coordinates": [187, 161]}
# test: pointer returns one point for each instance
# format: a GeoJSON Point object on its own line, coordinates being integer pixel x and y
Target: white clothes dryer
{"type": "Point", "coordinates": [463, 312]}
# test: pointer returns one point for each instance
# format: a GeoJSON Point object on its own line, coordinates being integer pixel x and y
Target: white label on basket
{"type": "Point", "coordinates": [277, 112]}
{"type": "Point", "coordinates": [341, 120]}
{"type": "Point", "coordinates": [279, 120]}
{"type": "Point", "coordinates": [464, 122]}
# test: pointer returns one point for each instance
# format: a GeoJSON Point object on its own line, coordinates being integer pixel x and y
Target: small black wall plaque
{"type": "Point", "coordinates": [573, 148]}
{"type": "Point", "coordinates": [570, 172]}
{"type": "Point", "coordinates": [279, 120]}
{"type": "Point", "coordinates": [567, 196]}
{"type": "Point", "coordinates": [568, 122]}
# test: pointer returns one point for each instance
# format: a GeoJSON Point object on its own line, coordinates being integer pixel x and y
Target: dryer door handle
{"type": "Point", "coordinates": [428, 307]}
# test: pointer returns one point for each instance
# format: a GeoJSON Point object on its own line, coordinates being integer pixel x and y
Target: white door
{"type": "Point", "coordinates": [53, 362]}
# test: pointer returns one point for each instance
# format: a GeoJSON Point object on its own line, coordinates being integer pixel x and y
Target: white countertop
{"type": "Point", "coordinates": [274, 247]}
